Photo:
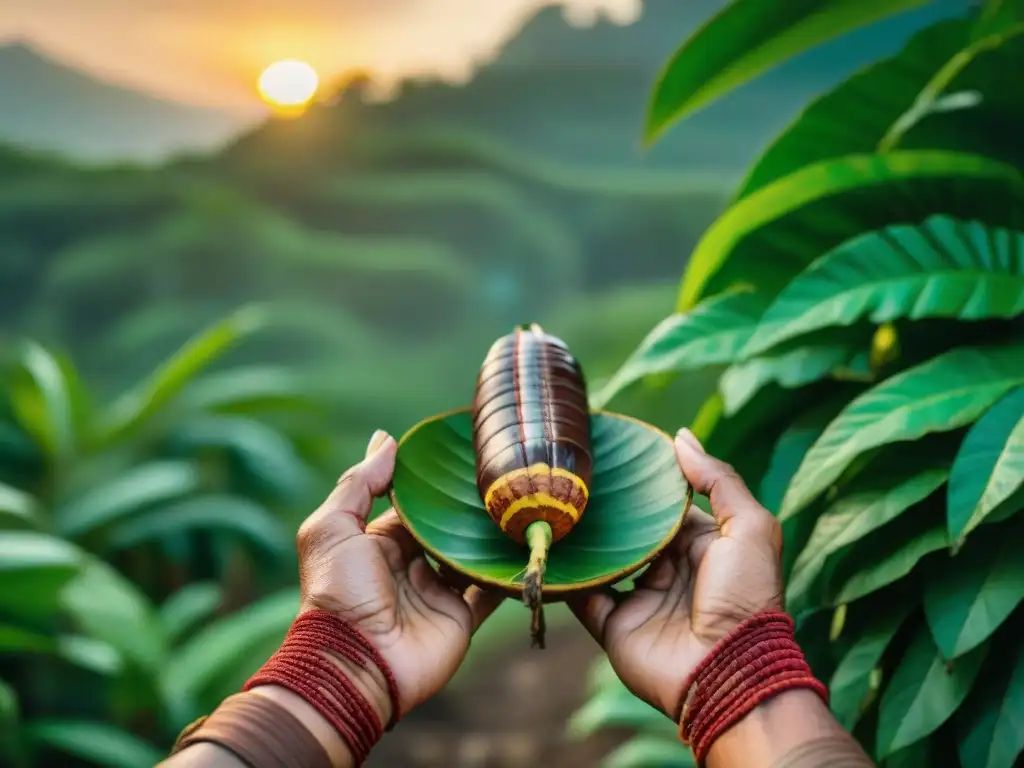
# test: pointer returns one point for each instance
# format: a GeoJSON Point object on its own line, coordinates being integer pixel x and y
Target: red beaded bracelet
{"type": "Point", "coordinates": [754, 662]}
{"type": "Point", "coordinates": [302, 665]}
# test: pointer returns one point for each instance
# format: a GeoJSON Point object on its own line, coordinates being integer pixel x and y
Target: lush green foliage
{"type": "Point", "coordinates": [866, 290]}
{"type": "Point", "coordinates": [131, 537]}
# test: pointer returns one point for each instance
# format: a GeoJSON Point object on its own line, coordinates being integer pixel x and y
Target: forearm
{"type": "Point", "coordinates": [212, 755]}
{"type": "Point", "coordinates": [792, 730]}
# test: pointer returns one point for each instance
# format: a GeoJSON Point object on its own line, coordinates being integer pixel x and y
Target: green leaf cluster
{"type": "Point", "coordinates": [862, 299]}
{"type": "Point", "coordinates": [124, 527]}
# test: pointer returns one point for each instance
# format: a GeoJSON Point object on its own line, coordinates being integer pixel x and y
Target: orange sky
{"type": "Point", "coordinates": [211, 51]}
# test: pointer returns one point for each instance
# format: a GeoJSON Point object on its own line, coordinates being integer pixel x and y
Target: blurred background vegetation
{"type": "Point", "coordinates": [196, 343]}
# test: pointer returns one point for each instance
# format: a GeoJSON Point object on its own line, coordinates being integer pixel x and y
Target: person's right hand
{"type": "Point", "coordinates": [716, 573]}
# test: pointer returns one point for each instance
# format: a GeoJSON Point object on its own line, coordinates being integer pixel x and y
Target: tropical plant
{"type": "Point", "coordinates": [133, 539]}
{"type": "Point", "coordinates": [864, 295]}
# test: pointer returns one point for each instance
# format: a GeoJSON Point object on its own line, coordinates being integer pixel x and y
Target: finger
{"type": "Point", "coordinates": [345, 511]}
{"type": "Point", "coordinates": [684, 552]}
{"type": "Point", "coordinates": [593, 609]}
{"type": "Point", "coordinates": [732, 503]}
{"type": "Point", "coordinates": [482, 603]}
{"type": "Point", "coordinates": [390, 526]}
{"type": "Point", "coordinates": [457, 580]}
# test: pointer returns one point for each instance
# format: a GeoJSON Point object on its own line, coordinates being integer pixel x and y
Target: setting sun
{"type": "Point", "coordinates": [288, 84]}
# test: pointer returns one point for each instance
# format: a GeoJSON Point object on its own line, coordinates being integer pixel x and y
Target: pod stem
{"type": "Point", "coordinates": [538, 538]}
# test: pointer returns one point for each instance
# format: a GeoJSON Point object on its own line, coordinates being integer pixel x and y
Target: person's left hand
{"type": "Point", "coordinates": [377, 577]}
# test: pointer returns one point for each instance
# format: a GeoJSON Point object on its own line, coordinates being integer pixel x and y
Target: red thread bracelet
{"type": "Point", "coordinates": [303, 665]}
{"type": "Point", "coordinates": [757, 660]}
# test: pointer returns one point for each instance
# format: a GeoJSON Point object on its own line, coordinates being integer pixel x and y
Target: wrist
{"type": "Point", "coordinates": [775, 727]}
{"type": "Point", "coordinates": [327, 664]}
{"type": "Point", "coordinates": [753, 664]}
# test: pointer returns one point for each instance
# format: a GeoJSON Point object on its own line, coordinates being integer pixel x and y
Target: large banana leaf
{"type": "Point", "coordinates": [637, 504]}
{"type": "Point", "coordinates": [773, 234]}
{"type": "Point", "coordinates": [989, 467]}
{"type": "Point", "coordinates": [942, 268]}
{"type": "Point", "coordinates": [923, 693]}
{"type": "Point", "coordinates": [711, 333]}
{"type": "Point", "coordinates": [942, 394]}
{"type": "Point", "coordinates": [747, 38]}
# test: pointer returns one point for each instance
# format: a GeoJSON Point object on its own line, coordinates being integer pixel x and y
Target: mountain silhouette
{"type": "Point", "coordinates": [574, 92]}
{"type": "Point", "coordinates": [579, 94]}
{"type": "Point", "coordinates": [50, 106]}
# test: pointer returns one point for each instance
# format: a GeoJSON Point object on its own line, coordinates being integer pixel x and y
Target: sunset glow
{"type": "Point", "coordinates": [289, 84]}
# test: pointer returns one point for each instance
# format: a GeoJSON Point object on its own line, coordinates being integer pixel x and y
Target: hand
{"type": "Point", "coordinates": [717, 572]}
{"type": "Point", "coordinates": [377, 577]}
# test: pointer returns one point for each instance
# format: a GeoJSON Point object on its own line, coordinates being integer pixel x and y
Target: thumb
{"type": "Point", "coordinates": [732, 502]}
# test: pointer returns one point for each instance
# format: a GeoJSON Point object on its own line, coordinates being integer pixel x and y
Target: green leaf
{"type": "Point", "coordinates": [34, 567]}
{"type": "Point", "coordinates": [107, 606]}
{"type": "Point", "coordinates": [989, 466]}
{"type": "Point", "coordinates": [233, 514]}
{"type": "Point", "coordinates": [9, 708]}
{"type": "Point", "coordinates": [249, 390]}
{"type": "Point", "coordinates": [793, 445]}
{"type": "Point", "coordinates": [137, 489]}
{"type": "Point", "coordinates": [851, 682]}
{"type": "Point", "coordinates": [189, 606]}
{"type": "Point", "coordinates": [225, 645]}
{"type": "Point", "coordinates": [18, 506]}
{"type": "Point", "coordinates": [710, 333]}
{"type": "Point", "coordinates": [923, 693]}
{"type": "Point", "coordinates": [91, 653]}
{"type": "Point", "coordinates": [19, 640]}
{"type": "Point", "coordinates": [793, 369]}
{"type": "Point", "coordinates": [942, 394]}
{"type": "Point", "coordinates": [96, 742]}
{"type": "Point", "coordinates": [870, 503]}
{"type": "Point", "coordinates": [968, 598]}
{"type": "Point", "coordinates": [943, 268]}
{"type": "Point", "coordinates": [650, 752]}
{"type": "Point", "coordinates": [856, 115]}
{"type": "Point", "coordinates": [41, 400]}
{"type": "Point", "coordinates": [991, 733]}
{"type": "Point", "coordinates": [136, 407]}
{"type": "Point", "coordinates": [746, 39]}
{"type": "Point", "coordinates": [637, 501]}
{"type": "Point", "coordinates": [616, 707]}
{"type": "Point", "coordinates": [269, 458]}
{"type": "Point", "coordinates": [891, 566]}
{"type": "Point", "coordinates": [772, 235]}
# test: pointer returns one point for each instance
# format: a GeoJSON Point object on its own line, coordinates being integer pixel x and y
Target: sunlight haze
{"type": "Point", "coordinates": [208, 53]}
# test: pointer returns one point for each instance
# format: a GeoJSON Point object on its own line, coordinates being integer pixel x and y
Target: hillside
{"type": "Point", "coordinates": [579, 94]}
{"type": "Point", "coordinates": [53, 107]}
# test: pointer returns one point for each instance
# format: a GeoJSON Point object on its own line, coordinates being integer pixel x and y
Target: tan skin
{"type": "Point", "coordinates": [718, 571]}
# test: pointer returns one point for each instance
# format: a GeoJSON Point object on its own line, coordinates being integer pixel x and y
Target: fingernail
{"type": "Point", "coordinates": [686, 436]}
{"type": "Point", "coordinates": [378, 440]}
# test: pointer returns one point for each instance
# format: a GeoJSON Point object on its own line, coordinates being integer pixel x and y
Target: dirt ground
{"type": "Point", "coordinates": [510, 712]}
